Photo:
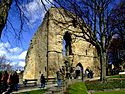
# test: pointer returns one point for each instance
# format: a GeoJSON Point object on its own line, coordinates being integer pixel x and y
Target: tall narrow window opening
{"type": "Point", "coordinates": [67, 49]}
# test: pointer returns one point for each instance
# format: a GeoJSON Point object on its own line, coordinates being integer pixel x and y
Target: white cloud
{"type": "Point", "coordinates": [4, 48]}
{"type": "Point", "coordinates": [35, 10]}
{"type": "Point", "coordinates": [2, 52]}
{"type": "Point", "coordinates": [15, 50]}
{"type": "Point", "coordinates": [23, 55]}
{"type": "Point", "coordinates": [16, 55]}
{"type": "Point", "coordinates": [5, 45]}
{"type": "Point", "coordinates": [22, 63]}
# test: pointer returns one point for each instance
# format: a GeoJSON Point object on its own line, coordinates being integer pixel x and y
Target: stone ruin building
{"type": "Point", "coordinates": [55, 42]}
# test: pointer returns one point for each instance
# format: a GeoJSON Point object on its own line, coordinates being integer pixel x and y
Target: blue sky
{"type": "Point", "coordinates": [10, 46]}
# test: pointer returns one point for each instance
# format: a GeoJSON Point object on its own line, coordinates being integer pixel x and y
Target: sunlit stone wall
{"type": "Point", "coordinates": [49, 39]}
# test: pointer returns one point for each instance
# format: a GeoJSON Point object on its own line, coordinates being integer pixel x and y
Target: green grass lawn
{"type": "Point", "coordinates": [77, 88]}
{"type": "Point", "coordinates": [111, 92]}
{"type": "Point", "coordinates": [109, 84]}
{"type": "Point", "coordinates": [117, 76]}
{"type": "Point", "coordinates": [34, 92]}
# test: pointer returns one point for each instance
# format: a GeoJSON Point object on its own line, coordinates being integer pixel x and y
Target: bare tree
{"type": "Point", "coordinates": [92, 16]}
{"type": "Point", "coordinates": [4, 10]}
{"type": "Point", "coordinates": [17, 11]}
{"type": "Point", "coordinates": [117, 20]}
{"type": "Point", "coordinates": [5, 63]}
{"type": "Point", "coordinates": [117, 25]}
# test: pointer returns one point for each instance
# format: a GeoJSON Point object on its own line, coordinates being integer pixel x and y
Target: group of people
{"type": "Point", "coordinates": [59, 80]}
{"type": "Point", "coordinates": [8, 82]}
{"type": "Point", "coordinates": [72, 72]}
{"type": "Point", "coordinates": [68, 73]}
{"type": "Point", "coordinates": [89, 73]}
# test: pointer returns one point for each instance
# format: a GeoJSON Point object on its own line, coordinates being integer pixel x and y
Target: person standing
{"type": "Point", "coordinates": [42, 80]}
{"type": "Point", "coordinates": [16, 80]}
{"type": "Point", "coordinates": [4, 81]}
{"type": "Point", "coordinates": [10, 82]}
{"type": "Point", "coordinates": [59, 79]}
{"type": "Point", "coordinates": [0, 82]}
{"type": "Point", "coordinates": [87, 72]}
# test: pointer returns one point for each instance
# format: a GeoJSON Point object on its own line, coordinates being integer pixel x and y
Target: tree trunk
{"type": "Point", "coordinates": [4, 10]}
{"type": "Point", "coordinates": [103, 66]}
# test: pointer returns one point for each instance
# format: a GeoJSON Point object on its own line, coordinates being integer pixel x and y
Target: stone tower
{"type": "Point", "coordinates": [56, 41]}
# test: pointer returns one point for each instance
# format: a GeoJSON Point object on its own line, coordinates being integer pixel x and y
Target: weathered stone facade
{"type": "Point", "coordinates": [47, 47]}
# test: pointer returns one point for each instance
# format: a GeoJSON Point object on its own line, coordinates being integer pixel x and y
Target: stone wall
{"type": "Point", "coordinates": [48, 40]}
{"type": "Point", "coordinates": [36, 55]}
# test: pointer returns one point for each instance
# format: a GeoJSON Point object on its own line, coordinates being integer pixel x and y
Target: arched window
{"type": "Point", "coordinates": [67, 49]}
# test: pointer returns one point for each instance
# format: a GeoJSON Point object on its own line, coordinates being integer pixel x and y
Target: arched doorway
{"type": "Point", "coordinates": [67, 49]}
{"type": "Point", "coordinates": [79, 70]}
